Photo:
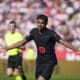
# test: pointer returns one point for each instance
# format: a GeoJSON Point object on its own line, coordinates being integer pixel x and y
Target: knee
{"type": "Point", "coordinates": [16, 72]}
{"type": "Point", "coordinates": [9, 72]}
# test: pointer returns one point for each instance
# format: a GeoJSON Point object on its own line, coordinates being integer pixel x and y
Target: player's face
{"type": "Point", "coordinates": [41, 24]}
{"type": "Point", "coordinates": [12, 27]}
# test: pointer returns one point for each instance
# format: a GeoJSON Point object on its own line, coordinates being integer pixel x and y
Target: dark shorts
{"type": "Point", "coordinates": [15, 61]}
{"type": "Point", "coordinates": [44, 70]}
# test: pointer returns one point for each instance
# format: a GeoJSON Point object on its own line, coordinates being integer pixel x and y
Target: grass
{"type": "Point", "coordinates": [30, 76]}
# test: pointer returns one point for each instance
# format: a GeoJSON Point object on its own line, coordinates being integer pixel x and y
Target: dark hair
{"type": "Point", "coordinates": [13, 22]}
{"type": "Point", "coordinates": [43, 17]}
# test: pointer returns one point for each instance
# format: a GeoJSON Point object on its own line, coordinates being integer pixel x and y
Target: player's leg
{"type": "Point", "coordinates": [38, 72]}
{"type": "Point", "coordinates": [18, 65]}
{"type": "Point", "coordinates": [22, 74]}
{"type": "Point", "coordinates": [17, 74]}
{"type": "Point", "coordinates": [44, 71]}
{"type": "Point", "coordinates": [10, 66]}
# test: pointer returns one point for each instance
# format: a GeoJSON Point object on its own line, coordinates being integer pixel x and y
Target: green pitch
{"type": "Point", "coordinates": [30, 76]}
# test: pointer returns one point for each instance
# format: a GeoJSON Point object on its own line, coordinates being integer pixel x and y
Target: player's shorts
{"type": "Point", "coordinates": [45, 70]}
{"type": "Point", "coordinates": [15, 61]}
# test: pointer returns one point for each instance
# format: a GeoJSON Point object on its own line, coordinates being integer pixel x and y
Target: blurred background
{"type": "Point", "coordinates": [64, 18]}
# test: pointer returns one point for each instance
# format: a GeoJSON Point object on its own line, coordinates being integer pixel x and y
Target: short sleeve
{"type": "Point", "coordinates": [56, 37]}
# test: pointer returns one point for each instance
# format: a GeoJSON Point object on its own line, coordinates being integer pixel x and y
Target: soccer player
{"type": "Point", "coordinates": [15, 58]}
{"type": "Point", "coordinates": [45, 40]}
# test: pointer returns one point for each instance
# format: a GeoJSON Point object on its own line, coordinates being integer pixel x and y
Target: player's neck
{"type": "Point", "coordinates": [13, 32]}
{"type": "Point", "coordinates": [42, 30]}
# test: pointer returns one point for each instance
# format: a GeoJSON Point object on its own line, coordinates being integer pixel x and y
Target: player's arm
{"type": "Point", "coordinates": [65, 43]}
{"type": "Point", "coordinates": [68, 45]}
{"type": "Point", "coordinates": [17, 45]}
{"type": "Point", "coordinates": [23, 46]}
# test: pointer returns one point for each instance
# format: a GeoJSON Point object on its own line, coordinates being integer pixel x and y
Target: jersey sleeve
{"type": "Point", "coordinates": [56, 37]}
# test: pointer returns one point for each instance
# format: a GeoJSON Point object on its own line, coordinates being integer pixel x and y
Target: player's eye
{"type": "Point", "coordinates": [41, 22]}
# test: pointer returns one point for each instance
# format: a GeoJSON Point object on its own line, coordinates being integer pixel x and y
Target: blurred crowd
{"type": "Point", "coordinates": [64, 17]}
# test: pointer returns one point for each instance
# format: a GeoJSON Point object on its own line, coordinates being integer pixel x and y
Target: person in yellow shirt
{"type": "Point", "coordinates": [14, 66]}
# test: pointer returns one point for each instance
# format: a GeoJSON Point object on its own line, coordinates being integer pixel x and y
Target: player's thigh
{"type": "Point", "coordinates": [10, 66]}
{"type": "Point", "coordinates": [38, 69]}
{"type": "Point", "coordinates": [44, 70]}
{"type": "Point", "coordinates": [10, 62]}
{"type": "Point", "coordinates": [47, 71]}
{"type": "Point", "coordinates": [18, 62]}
